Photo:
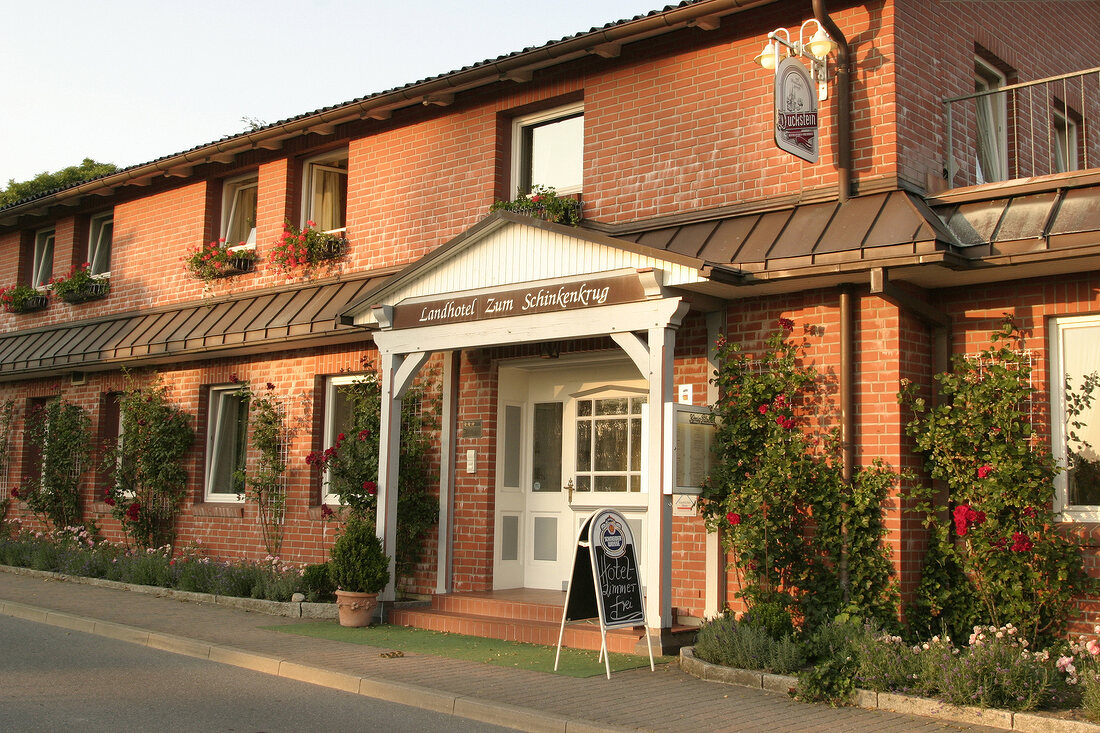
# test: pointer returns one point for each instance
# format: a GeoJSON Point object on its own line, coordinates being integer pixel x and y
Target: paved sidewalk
{"type": "Point", "coordinates": [665, 700]}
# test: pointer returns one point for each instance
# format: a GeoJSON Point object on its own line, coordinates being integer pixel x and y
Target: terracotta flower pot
{"type": "Point", "coordinates": [355, 609]}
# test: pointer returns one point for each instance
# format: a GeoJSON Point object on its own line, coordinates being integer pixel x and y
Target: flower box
{"type": "Point", "coordinates": [34, 303]}
{"type": "Point", "coordinates": [92, 291]}
{"type": "Point", "coordinates": [23, 299]}
{"type": "Point", "coordinates": [238, 266]}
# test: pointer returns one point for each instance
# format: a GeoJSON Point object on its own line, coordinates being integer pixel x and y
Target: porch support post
{"type": "Point", "coordinates": [398, 371]}
{"type": "Point", "coordinates": [715, 585]}
{"type": "Point", "coordinates": [389, 455]}
{"type": "Point", "coordinates": [662, 343]}
{"type": "Point", "coordinates": [446, 470]}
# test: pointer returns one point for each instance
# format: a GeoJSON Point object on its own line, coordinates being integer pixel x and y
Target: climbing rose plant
{"type": "Point", "coordinates": [801, 536]}
{"type": "Point", "coordinates": [146, 469]}
{"type": "Point", "coordinates": [996, 555]}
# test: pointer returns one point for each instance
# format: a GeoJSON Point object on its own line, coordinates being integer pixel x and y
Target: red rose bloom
{"type": "Point", "coordinates": [763, 409]}
{"type": "Point", "coordinates": [326, 512]}
{"type": "Point", "coordinates": [733, 518]}
{"type": "Point", "coordinates": [984, 471]}
{"type": "Point", "coordinates": [786, 324]}
{"type": "Point", "coordinates": [370, 487]}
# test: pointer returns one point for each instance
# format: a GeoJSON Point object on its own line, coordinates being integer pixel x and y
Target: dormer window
{"type": "Point", "coordinates": [42, 261]}
{"type": "Point", "coordinates": [548, 150]}
{"type": "Point", "coordinates": [239, 211]}
{"type": "Point", "coordinates": [326, 192]}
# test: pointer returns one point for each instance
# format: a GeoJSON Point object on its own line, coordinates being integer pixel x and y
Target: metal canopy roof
{"type": "Point", "coordinates": [257, 321]}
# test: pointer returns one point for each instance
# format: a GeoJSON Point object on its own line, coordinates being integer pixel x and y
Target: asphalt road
{"type": "Point", "coordinates": [52, 679]}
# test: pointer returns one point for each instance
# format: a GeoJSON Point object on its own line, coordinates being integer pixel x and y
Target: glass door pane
{"type": "Point", "coordinates": [546, 447]}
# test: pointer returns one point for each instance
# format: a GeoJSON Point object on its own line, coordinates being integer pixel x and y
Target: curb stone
{"type": "Point", "coordinates": [890, 702]}
{"type": "Point", "coordinates": [271, 608]}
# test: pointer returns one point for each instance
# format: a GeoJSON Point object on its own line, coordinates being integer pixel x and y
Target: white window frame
{"type": "Point", "coordinates": [519, 161]}
{"type": "Point", "coordinates": [987, 78]}
{"type": "Point", "coordinates": [98, 225]}
{"type": "Point", "coordinates": [591, 496]}
{"type": "Point", "coordinates": [218, 443]}
{"type": "Point", "coordinates": [1065, 143]}
{"type": "Point", "coordinates": [41, 270]}
{"type": "Point", "coordinates": [318, 163]}
{"type": "Point", "coordinates": [230, 190]}
{"type": "Point", "coordinates": [332, 384]}
{"type": "Point", "coordinates": [1058, 326]}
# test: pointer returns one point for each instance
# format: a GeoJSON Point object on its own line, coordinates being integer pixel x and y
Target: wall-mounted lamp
{"type": "Point", "coordinates": [817, 50]}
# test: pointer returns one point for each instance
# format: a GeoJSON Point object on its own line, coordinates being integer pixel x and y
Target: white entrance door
{"type": "Point", "coordinates": [570, 440]}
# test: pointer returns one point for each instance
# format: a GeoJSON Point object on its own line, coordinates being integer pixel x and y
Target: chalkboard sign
{"type": "Point", "coordinates": [605, 581]}
{"type": "Point", "coordinates": [616, 570]}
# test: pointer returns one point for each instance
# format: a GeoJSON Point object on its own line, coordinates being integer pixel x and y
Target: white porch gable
{"type": "Point", "coordinates": [506, 249]}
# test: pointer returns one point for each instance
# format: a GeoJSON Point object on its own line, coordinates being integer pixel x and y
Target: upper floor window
{"type": "Point", "coordinates": [1065, 140]}
{"type": "Point", "coordinates": [101, 234]}
{"type": "Point", "coordinates": [239, 210]}
{"type": "Point", "coordinates": [326, 192]}
{"type": "Point", "coordinates": [992, 136]}
{"type": "Point", "coordinates": [1074, 355]}
{"type": "Point", "coordinates": [226, 442]}
{"type": "Point", "coordinates": [548, 150]}
{"type": "Point", "coordinates": [42, 259]}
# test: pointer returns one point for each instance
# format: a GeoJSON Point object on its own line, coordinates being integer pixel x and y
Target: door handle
{"type": "Point", "coordinates": [569, 487]}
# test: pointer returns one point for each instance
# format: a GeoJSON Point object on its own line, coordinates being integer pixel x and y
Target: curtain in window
{"type": "Point", "coordinates": [1081, 356]}
{"type": "Point", "coordinates": [100, 256]}
{"type": "Point", "coordinates": [242, 216]}
{"type": "Point", "coordinates": [43, 259]}
{"type": "Point", "coordinates": [328, 207]}
{"type": "Point", "coordinates": [229, 421]}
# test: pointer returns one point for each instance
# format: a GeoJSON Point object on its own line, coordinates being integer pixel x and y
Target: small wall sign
{"type": "Point", "coordinates": [796, 128]}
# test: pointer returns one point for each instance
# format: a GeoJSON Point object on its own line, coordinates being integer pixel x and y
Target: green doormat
{"type": "Point", "coordinates": [574, 662]}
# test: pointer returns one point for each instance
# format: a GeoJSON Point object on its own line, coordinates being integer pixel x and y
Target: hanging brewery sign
{"type": "Point", "coordinates": [796, 110]}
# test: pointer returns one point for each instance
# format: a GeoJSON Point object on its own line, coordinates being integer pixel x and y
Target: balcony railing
{"type": "Point", "coordinates": [1024, 130]}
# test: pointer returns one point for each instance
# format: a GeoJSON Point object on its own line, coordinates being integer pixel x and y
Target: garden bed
{"type": "Point", "coordinates": [1046, 722]}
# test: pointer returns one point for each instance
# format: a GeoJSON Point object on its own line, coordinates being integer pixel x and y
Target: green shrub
{"type": "Point", "coordinates": [317, 583]}
{"type": "Point", "coordinates": [831, 650]}
{"type": "Point", "coordinates": [772, 616]}
{"type": "Point", "coordinates": [359, 564]}
{"type": "Point", "coordinates": [725, 641]}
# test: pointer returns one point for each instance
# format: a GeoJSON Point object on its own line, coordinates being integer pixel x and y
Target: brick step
{"type": "Point", "coordinates": [578, 635]}
{"type": "Point", "coordinates": [547, 611]}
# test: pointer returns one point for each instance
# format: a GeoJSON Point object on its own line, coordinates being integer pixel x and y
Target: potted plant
{"type": "Point", "coordinates": [80, 286]}
{"type": "Point", "coordinates": [360, 569]}
{"type": "Point", "coordinates": [219, 259]}
{"type": "Point", "coordinates": [23, 299]}
{"type": "Point", "coordinates": [544, 203]}
{"type": "Point", "coordinates": [307, 247]}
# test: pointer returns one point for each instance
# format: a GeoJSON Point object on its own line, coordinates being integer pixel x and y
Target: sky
{"type": "Point", "coordinates": [129, 81]}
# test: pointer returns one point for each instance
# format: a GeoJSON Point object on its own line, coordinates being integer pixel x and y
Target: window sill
{"type": "Point", "coordinates": [215, 509]}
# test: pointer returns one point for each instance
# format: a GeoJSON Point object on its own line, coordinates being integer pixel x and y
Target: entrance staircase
{"type": "Point", "coordinates": [523, 614]}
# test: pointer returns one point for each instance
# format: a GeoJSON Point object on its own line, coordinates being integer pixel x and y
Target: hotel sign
{"type": "Point", "coordinates": [796, 110]}
{"type": "Point", "coordinates": [541, 297]}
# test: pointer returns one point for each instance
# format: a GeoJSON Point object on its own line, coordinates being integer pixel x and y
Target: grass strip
{"type": "Point", "coordinates": [518, 655]}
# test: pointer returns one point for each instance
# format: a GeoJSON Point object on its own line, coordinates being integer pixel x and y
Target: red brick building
{"type": "Point", "coordinates": [918, 226]}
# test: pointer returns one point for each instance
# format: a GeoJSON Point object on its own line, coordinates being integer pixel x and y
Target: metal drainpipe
{"type": "Point", "coordinates": [847, 418]}
{"type": "Point", "coordinates": [843, 101]}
